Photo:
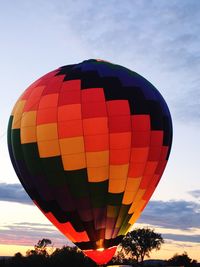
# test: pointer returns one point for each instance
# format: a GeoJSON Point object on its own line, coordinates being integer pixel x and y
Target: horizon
{"type": "Point", "coordinates": [154, 255]}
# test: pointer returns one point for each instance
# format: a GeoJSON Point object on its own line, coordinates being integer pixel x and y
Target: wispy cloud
{"type": "Point", "coordinates": [14, 193]}
{"type": "Point", "coordinates": [182, 238]}
{"type": "Point", "coordinates": [161, 37]}
{"type": "Point", "coordinates": [28, 234]}
{"type": "Point", "coordinates": [195, 194]}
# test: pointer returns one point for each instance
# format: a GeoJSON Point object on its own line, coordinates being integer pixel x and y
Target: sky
{"type": "Point", "coordinates": [158, 39]}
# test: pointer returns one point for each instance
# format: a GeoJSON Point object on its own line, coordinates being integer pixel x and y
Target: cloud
{"type": "Point", "coordinates": [179, 244]}
{"type": "Point", "coordinates": [34, 224]}
{"type": "Point", "coordinates": [160, 41]}
{"type": "Point", "coordinates": [28, 234]}
{"type": "Point", "coordinates": [182, 238]}
{"type": "Point", "coordinates": [186, 107]}
{"type": "Point", "coordinates": [174, 214]}
{"type": "Point", "coordinates": [182, 215]}
{"type": "Point", "coordinates": [14, 193]}
{"type": "Point", "coordinates": [195, 194]}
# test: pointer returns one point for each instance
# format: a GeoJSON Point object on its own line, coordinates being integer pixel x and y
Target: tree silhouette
{"type": "Point", "coordinates": [184, 260]}
{"type": "Point", "coordinates": [121, 259]}
{"type": "Point", "coordinates": [18, 255]}
{"type": "Point", "coordinates": [17, 260]}
{"type": "Point", "coordinates": [40, 248]}
{"type": "Point", "coordinates": [140, 242]}
{"type": "Point", "coordinates": [70, 256]}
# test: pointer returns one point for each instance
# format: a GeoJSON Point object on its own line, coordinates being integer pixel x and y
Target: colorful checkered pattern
{"type": "Point", "coordinates": [89, 142]}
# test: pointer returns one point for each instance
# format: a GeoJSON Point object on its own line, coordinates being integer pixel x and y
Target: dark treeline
{"type": "Point", "coordinates": [66, 256]}
{"type": "Point", "coordinates": [182, 260]}
{"type": "Point", "coordinates": [73, 257]}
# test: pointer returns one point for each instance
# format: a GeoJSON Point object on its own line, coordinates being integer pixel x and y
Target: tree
{"type": "Point", "coordinates": [140, 242]}
{"type": "Point", "coordinates": [70, 257]}
{"type": "Point", "coordinates": [38, 256]}
{"type": "Point", "coordinates": [184, 260]}
{"type": "Point", "coordinates": [18, 260]}
{"type": "Point", "coordinates": [41, 246]}
{"type": "Point", "coordinates": [18, 255]}
{"type": "Point", "coordinates": [118, 258]}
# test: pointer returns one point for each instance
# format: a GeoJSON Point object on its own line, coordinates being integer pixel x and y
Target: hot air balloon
{"type": "Point", "coordinates": [89, 143]}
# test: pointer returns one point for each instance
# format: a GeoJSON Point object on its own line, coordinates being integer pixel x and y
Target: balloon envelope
{"type": "Point", "coordinates": [89, 143]}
